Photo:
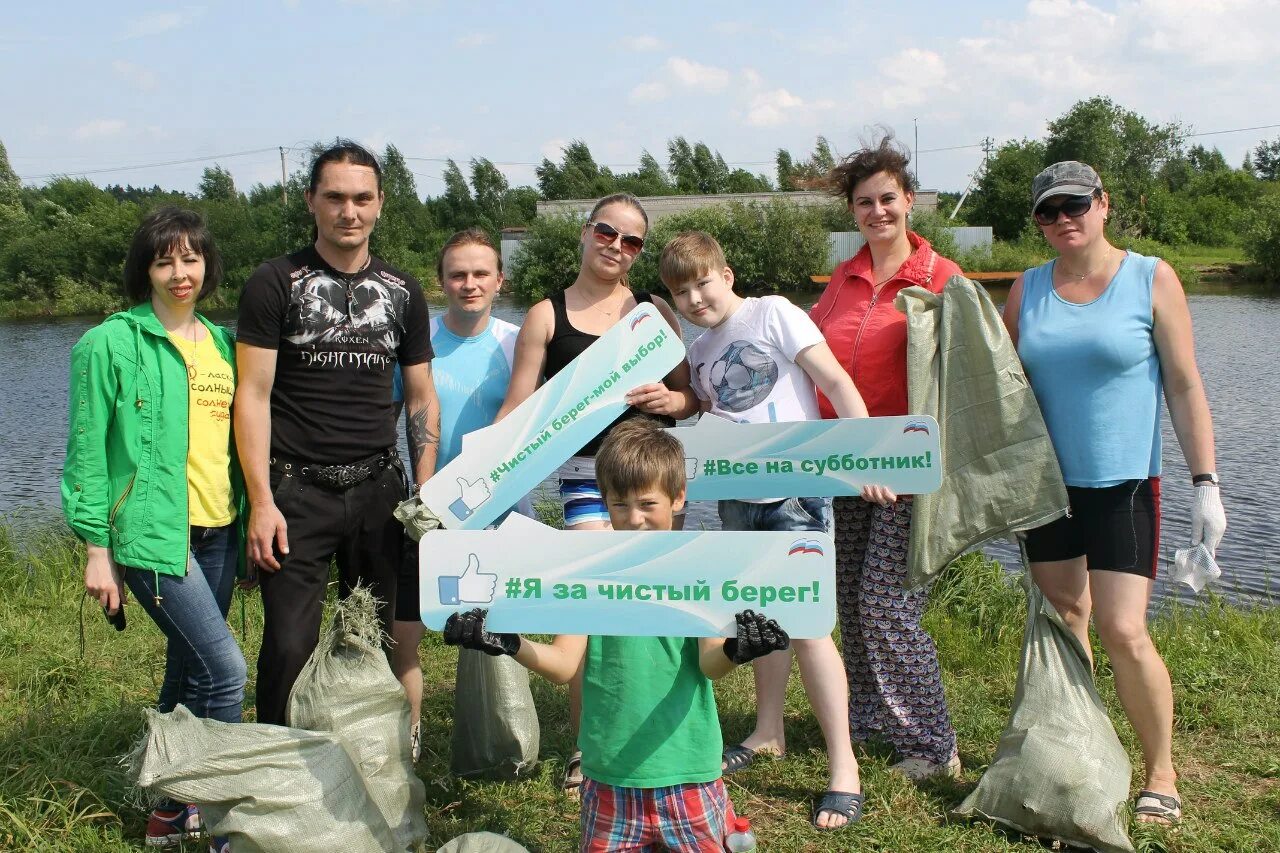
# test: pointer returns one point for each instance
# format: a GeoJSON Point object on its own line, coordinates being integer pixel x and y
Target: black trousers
{"type": "Point", "coordinates": [358, 529]}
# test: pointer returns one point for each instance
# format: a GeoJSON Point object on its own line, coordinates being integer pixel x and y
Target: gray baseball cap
{"type": "Point", "coordinates": [1069, 177]}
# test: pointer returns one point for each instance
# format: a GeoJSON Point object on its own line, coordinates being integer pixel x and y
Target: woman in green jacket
{"type": "Point", "coordinates": [151, 482]}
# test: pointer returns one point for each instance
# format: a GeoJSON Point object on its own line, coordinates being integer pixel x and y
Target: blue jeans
{"type": "Point", "coordinates": [790, 514]}
{"type": "Point", "coordinates": [204, 667]}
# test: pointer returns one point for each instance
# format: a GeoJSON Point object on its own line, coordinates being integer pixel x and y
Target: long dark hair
{"type": "Point", "coordinates": [885, 156]}
{"type": "Point", "coordinates": [344, 151]}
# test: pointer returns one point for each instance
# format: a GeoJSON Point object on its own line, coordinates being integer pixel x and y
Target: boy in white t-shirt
{"type": "Point", "coordinates": [759, 361]}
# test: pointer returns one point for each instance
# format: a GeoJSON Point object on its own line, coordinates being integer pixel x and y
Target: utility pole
{"type": "Point", "coordinates": [915, 123]}
{"type": "Point", "coordinates": [284, 180]}
{"type": "Point", "coordinates": [988, 144]}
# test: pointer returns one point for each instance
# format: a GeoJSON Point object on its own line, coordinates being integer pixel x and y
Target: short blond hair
{"type": "Point", "coordinates": [689, 256]}
{"type": "Point", "coordinates": [639, 455]}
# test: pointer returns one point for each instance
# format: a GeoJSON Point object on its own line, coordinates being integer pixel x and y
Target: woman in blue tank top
{"type": "Point", "coordinates": [1103, 335]}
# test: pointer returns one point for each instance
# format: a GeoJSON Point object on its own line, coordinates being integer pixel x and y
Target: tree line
{"type": "Point", "coordinates": [62, 245]}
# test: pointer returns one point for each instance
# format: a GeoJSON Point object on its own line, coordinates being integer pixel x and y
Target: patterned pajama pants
{"type": "Point", "coordinates": [895, 684]}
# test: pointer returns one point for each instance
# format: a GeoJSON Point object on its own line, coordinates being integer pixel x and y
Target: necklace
{"type": "Point", "coordinates": [189, 357]}
{"type": "Point", "coordinates": [1081, 277]}
{"type": "Point", "coordinates": [596, 306]}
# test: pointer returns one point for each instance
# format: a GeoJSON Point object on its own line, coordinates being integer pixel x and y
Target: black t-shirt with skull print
{"type": "Point", "coordinates": [338, 337]}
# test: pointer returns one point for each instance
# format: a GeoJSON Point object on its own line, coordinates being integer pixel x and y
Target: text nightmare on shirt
{"type": "Point", "coordinates": [338, 337]}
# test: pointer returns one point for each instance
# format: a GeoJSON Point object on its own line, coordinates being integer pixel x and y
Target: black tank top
{"type": "Point", "coordinates": [566, 344]}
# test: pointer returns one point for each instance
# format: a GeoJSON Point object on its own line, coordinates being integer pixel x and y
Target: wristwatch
{"type": "Point", "coordinates": [1211, 478]}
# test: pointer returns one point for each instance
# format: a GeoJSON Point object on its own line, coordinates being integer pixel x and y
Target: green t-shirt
{"type": "Point", "coordinates": [648, 714]}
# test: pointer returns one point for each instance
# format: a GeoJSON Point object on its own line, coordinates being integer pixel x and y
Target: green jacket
{"type": "Point", "coordinates": [124, 486]}
{"type": "Point", "coordinates": [999, 470]}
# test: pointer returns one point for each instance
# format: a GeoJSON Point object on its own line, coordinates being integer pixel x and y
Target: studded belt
{"type": "Point", "coordinates": [337, 478]}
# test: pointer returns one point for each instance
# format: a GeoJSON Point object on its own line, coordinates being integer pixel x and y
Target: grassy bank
{"type": "Point", "coordinates": [65, 716]}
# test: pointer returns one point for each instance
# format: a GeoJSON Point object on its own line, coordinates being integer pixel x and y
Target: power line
{"type": "Point", "coordinates": [295, 150]}
{"type": "Point", "coordinates": [148, 165]}
{"type": "Point", "coordinates": [1233, 130]}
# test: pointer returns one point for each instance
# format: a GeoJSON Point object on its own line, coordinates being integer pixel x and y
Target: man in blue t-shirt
{"type": "Point", "coordinates": [472, 367]}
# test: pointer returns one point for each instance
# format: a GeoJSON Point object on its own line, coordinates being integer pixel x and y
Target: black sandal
{"type": "Point", "coordinates": [737, 757]}
{"type": "Point", "coordinates": [1166, 808]}
{"type": "Point", "coordinates": [841, 803]}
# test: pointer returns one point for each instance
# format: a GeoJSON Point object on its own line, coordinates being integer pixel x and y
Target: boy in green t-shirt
{"type": "Point", "coordinates": [650, 734]}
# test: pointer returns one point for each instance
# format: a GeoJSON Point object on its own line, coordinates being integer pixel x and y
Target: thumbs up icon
{"type": "Point", "coordinates": [472, 495]}
{"type": "Point", "coordinates": [471, 587]}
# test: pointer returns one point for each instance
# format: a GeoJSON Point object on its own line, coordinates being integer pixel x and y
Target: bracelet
{"type": "Point", "coordinates": [1210, 478]}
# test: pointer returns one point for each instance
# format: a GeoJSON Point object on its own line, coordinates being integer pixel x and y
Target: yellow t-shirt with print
{"type": "Point", "coordinates": [211, 385]}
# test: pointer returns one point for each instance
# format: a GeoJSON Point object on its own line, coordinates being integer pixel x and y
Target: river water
{"type": "Point", "coordinates": [1236, 345]}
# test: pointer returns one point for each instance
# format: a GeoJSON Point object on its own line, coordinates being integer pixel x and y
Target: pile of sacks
{"type": "Point", "coordinates": [340, 777]}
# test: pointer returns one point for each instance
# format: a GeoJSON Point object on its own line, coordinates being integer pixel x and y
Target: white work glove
{"type": "Point", "coordinates": [1208, 519]}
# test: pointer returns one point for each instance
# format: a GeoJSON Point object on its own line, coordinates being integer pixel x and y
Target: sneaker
{"type": "Point", "coordinates": [170, 827]}
{"type": "Point", "coordinates": [919, 769]}
{"type": "Point", "coordinates": [415, 741]}
{"type": "Point", "coordinates": [220, 844]}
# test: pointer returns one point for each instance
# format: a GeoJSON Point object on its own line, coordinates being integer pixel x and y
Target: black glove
{"type": "Point", "coordinates": [758, 635]}
{"type": "Point", "coordinates": [467, 630]}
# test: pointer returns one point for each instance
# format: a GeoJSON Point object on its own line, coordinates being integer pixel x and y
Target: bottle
{"type": "Point", "coordinates": [741, 838]}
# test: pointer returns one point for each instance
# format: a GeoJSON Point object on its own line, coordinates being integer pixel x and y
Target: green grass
{"type": "Point", "coordinates": [64, 717]}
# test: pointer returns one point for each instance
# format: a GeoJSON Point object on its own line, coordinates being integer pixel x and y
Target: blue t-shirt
{"type": "Point", "coordinates": [471, 377]}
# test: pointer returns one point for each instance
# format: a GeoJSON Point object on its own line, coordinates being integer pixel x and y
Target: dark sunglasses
{"type": "Point", "coordinates": [1072, 205]}
{"type": "Point", "coordinates": [605, 235]}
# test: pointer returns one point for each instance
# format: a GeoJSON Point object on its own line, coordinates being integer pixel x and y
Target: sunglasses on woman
{"type": "Point", "coordinates": [1072, 205]}
{"type": "Point", "coordinates": [605, 234]}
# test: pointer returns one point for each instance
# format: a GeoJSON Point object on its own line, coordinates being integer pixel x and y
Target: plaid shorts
{"type": "Point", "coordinates": [692, 817]}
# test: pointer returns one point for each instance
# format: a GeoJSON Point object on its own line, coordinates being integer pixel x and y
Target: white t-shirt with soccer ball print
{"type": "Point", "coordinates": [746, 367]}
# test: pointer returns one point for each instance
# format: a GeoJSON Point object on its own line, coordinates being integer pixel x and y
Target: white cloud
{"type": "Point", "coordinates": [915, 74]}
{"type": "Point", "coordinates": [553, 149]}
{"type": "Point", "coordinates": [160, 22]}
{"type": "Point", "coordinates": [646, 92]}
{"type": "Point", "coordinates": [474, 40]}
{"type": "Point", "coordinates": [99, 128]}
{"type": "Point", "coordinates": [140, 77]}
{"type": "Point", "coordinates": [752, 78]}
{"type": "Point", "coordinates": [778, 106]}
{"type": "Point", "coordinates": [695, 75]}
{"type": "Point", "coordinates": [642, 44]}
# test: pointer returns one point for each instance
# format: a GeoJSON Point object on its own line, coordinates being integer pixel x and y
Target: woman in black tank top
{"type": "Point", "coordinates": [558, 329]}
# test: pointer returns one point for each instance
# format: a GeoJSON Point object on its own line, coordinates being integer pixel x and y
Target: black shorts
{"type": "Point", "coordinates": [1116, 529]}
{"type": "Point", "coordinates": [407, 606]}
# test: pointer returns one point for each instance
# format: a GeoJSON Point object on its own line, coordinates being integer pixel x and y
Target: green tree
{"type": "Point", "coordinates": [548, 258]}
{"type": "Point", "coordinates": [1266, 160]}
{"type": "Point", "coordinates": [399, 235]}
{"type": "Point", "coordinates": [697, 169]}
{"type": "Point", "coordinates": [576, 176]}
{"type": "Point", "coordinates": [10, 186]}
{"type": "Point", "coordinates": [216, 184]}
{"type": "Point", "coordinates": [785, 170]}
{"type": "Point", "coordinates": [649, 179]}
{"type": "Point", "coordinates": [1125, 149]}
{"type": "Point", "coordinates": [771, 246]}
{"type": "Point", "coordinates": [1002, 198]}
{"type": "Point", "coordinates": [1262, 236]}
{"type": "Point", "coordinates": [491, 188]}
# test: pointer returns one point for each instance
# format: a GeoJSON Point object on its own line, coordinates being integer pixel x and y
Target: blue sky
{"type": "Point", "coordinates": [99, 85]}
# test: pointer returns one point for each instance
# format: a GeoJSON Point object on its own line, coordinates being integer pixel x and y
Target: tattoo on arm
{"type": "Point", "coordinates": [420, 433]}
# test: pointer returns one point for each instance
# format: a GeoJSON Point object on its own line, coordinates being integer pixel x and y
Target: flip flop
{"type": "Point", "coordinates": [737, 757]}
{"type": "Point", "coordinates": [841, 803]}
{"type": "Point", "coordinates": [1165, 807]}
{"type": "Point", "coordinates": [572, 779]}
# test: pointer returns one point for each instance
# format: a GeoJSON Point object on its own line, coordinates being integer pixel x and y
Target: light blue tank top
{"type": "Point", "coordinates": [1096, 373]}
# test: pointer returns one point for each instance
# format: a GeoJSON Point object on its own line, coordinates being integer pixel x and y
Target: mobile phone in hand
{"type": "Point", "coordinates": [117, 621]}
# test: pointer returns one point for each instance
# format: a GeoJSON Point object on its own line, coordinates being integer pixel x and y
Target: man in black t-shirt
{"type": "Point", "coordinates": [319, 333]}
